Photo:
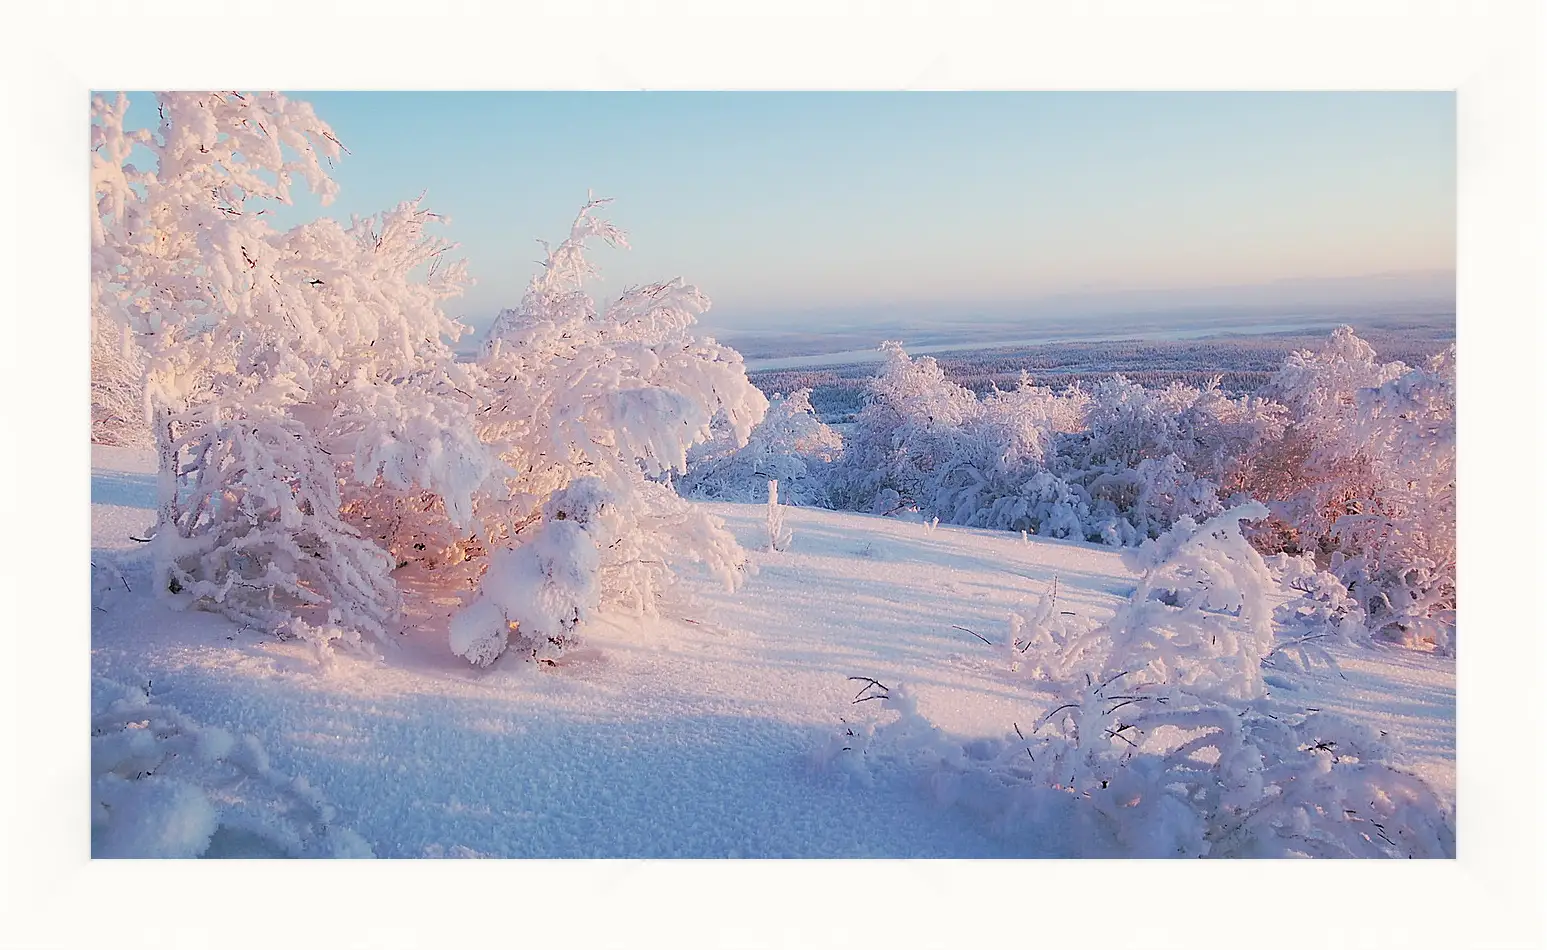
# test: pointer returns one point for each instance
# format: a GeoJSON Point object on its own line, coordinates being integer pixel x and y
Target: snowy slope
{"type": "Point", "coordinates": [690, 734]}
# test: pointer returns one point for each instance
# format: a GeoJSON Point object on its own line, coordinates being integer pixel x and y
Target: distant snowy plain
{"type": "Point", "coordinates": [693, 734]}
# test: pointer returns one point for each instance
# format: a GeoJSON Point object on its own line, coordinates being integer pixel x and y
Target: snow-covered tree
{"type": "Point", "coordinates": [1397, 551]}
{"type": "Point", "coordinates": [1119, 464]}
{"type": "Point", "coordinates": [314, 430]}
{"type": "Point", "coordinates": [613, 399]}
{"type": "Point", "coordinates": [1150, 457]}
{"type": "Point", "coordinates": [922, 441]}
{"type": "Point", "coordinates": [1317, 467]}
{"type": "Point", "coordinates": [278, 363]}
{"type": "Point", "coordinates": [903, 433]}
{"type": "Point", "coordinates": [117, 386]}
{"type": "Point", "coordinates": [791, 446]}
{"type": "Point", "coordinates": [1363, 478]}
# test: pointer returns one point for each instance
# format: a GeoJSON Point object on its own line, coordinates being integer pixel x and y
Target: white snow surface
{"type": "Point", "coordinates": [691, 734]}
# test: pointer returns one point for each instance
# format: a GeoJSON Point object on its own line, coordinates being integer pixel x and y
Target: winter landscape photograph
{"type": "Point", "coordinates": [962, 475]}
{"type": "Point", "coordinates": [792, 476]}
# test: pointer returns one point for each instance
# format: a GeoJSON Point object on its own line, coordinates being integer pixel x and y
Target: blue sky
{"type": "Point", "coordinates": [777, 203]}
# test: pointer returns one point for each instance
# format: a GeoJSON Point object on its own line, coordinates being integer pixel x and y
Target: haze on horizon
{"type": "Point", "coordinates": [794, 208]}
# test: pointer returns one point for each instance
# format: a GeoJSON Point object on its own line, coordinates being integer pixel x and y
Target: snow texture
{"type": "Point", "coordinates": [700, 732]}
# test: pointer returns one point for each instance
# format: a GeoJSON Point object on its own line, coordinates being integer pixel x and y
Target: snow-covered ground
{"type": "Point", "coordinates": [695, 733]}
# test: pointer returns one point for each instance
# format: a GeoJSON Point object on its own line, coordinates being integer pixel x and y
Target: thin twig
{"type": "Point", "coordinates": [1023, 739]}
{"type": "Point", "coordinates": [980, 636]}
{"type": "Point", "coordinates": [1290, 643]}
{"type": "Point", "coordinates": [860, 696]}
{"type": "Point", "coordinates": [1111, 680]}
{"type": "Point", "coordinates": [1119, 735]}
{"type": "Point", "coordinates": [1051, 713]}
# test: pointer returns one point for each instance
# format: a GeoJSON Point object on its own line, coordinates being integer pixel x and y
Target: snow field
{"type": "Point", "coordinates": [696, 733]}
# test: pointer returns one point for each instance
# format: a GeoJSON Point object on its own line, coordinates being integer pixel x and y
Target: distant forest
{"type": "Point", "coordinates": [1243, 363]}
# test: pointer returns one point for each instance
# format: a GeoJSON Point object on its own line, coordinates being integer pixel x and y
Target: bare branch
{"type": "Point", "coordinates": [973, 632]}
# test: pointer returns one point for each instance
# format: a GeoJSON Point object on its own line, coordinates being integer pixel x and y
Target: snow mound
{"type": "Point", "coordinates": [164, 786]}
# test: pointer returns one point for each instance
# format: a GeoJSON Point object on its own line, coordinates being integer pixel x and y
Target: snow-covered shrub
{"type": "Point", "coordinates": [314, 430]}
{"type": "Point", "coordinates": [1130, 505]}
{"type": "Point", "coordinates": [791, 446]}
{"type": "Point", "coordinates": [1122, 772]}
{"type": "Point", "coordinates": [1209, 568]}
{"type": "Point", "coordinates": [1323, 613]}
{"type": "Point", "coordinates": [1150, 457]}
{"type": "Point", "coordinates": [1044, 504]}
{"type": "Point", "coordinates": [1037, 412]}
{"type": "Point", "coordinates": [277, 363]}
{"type": "Point", "coordinates": [1119, 465]}
{"type": "Point", "coordinates": [1126, 424]}
{"type": "Point", "coordinates": [622, 394]}
{"type": "Point", "coordinates": [256, 533]}
{"type": "Point", "coordinates": [1398, 551]}
{"type": "Point", "coordinates": [595, 545]}
{"type": "Point", "coordinates": [609, 402]}
{"type": "Point", "coordinates": [1317, 468]}
{"type": "Point", "coordinates": [1039, 647]}
{"type": "Point", "coordinates": [902, 435]}
{"type": "Point", "coordinates": [1160, 741]}
{"type": "Point", "coordinates": [1200, 618]}
{"type": "Point", "coordinates": [385, 394]}
{"type": "Point", "coordinates": [107, 578]}
{"type": "Point", "coordinates": [544, 588]}
{"type": "Point", "coordinates": [1364, 479]}
{"type": "Point", "coordinates": [888, 502]}
{"type": "Point", "coordinates": [1165, 772]}
{"type": "Point", "coordinates": [985, 469]}
{"type": "Point", "coordinates": [997, 475]}
{"type": "Point", "coordinates": [1219, 433]}
{"type": "Point", "coordinates": [117, 386]}
{"type": "Point", "coordinates": [925, 443]}
{"type": "Point", "coordinates": [164, 786]}
{"type": "Point", "coordinates": [1180, 758]}
{"type": "Point", "coordinates": [779, 534]}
